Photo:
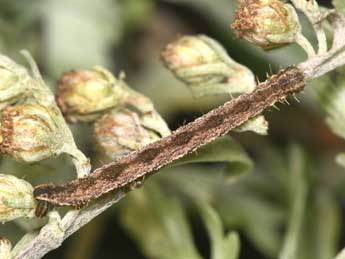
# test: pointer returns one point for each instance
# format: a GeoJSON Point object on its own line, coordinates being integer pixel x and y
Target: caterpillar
{"type": "Point", "coordinates": [130, 170]}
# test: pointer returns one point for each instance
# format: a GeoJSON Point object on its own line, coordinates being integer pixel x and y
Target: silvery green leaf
{"type": "Point", "coordinates": [236, 207]}
{"type": "Point", "coordinates": [321, 227]}
{"type": "Point", "coordinates": [222, 246]}
{"type": "Point", "coordinates": [326, 224]}
{"type": "Point", "coordinates": [158, 224]}
{"type": "Point", "coordinates": [331, 96]}
{"type": "Point", "coordinates": [224, 150]}
{"type": "Point", "coordinates": [298, 189]}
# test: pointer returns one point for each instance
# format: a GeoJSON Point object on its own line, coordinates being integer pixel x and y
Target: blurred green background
{"type": "Point", "coordinates": [290, 195]}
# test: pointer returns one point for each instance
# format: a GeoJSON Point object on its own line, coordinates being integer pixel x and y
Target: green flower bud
{"type": "Point", "coordinates": [267, 23]}
{"type": "Point", "coordinates": [189, 51]}
{"type": "Point", "coordinates": [5, 248]}
{"type": "Point", "coordinates": [12, 86]}
{"type": "Point", "coordinates": [7, 83]}
{"type": "Point", "coordinates": [88, 94]}
{"type": "Point", "coordinates": [16, 198]}
{"type": "Point", "coordinates": [120, 132]}
{"type": "Point", "coordinates": [145, 109]}
{"type": "Point", "coordinates": [204, 66]}
{"type": "Point", "coordinates": [29, 133]}
{"type": "Point", "coordinates": [85, 94]}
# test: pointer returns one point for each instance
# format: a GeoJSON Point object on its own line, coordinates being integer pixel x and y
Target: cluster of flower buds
{"type": "Point", "coordinates": [31, 126]}
{"type": "Point", "coordinates": [29, 133]}
{"type": "Point", "coordinates": [266, 23]}
{"type": "Point", "coordinates": [119, 132]}
{"type": "Point", "coordinates": [16, 198]}
{"type": "Point", "coordinates": [85, 95]}
{"type": "Point", "coordinates": [205, 67]}
{"type": "Point", "coordinates": [125, 119]}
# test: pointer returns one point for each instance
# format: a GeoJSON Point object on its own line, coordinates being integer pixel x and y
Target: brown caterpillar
{"type": "Point", "coordinates": [126, 171]}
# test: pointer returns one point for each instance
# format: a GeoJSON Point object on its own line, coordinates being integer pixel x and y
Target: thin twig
{"type": "Point", "coordinates": [305, 44]}
{"type": "Point", "coordinates": [312, 11]}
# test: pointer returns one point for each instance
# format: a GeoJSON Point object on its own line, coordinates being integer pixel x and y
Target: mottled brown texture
{"type": "Point", "coordinates": [6, 130]}
{"type": "Point", "coordinates": [125, 172]}
{"type": "Point", "coordinates": [244, 17]}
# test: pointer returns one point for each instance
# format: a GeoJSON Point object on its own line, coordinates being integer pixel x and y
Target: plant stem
{"type": "Point", "coordinates": [341, 255]}
{"type": "Point", "coordinates": [45, 97]}
{"type": "Point", "coordinates": [311, 9]}
{"type": "Point", "coordinates": [305, 44]}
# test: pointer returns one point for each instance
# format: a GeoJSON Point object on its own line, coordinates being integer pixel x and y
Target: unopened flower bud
{"type": "Point", "coordinates": [146, 111]}
{"type": "Point", "coordinates": [88, 94]}
{"type": "Point", "coordinates": [120, 132]}
{"type": "Point", "coordinates": [5, 248]}
{"type": "Point", "coordinates": [29, 133]}
{"type": "Point", "coordinates": [266, 23]}
{"type": "Point", "coordinates": [85, 94]}
{"type": "Point", "coordinates": [189, 51]}
{"type": "Point", "coordinates": [16, 198]}
{"type": "Point", "coordinates": [203, 64]}
{"type": "Point", "coordinates": [12, 86]}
